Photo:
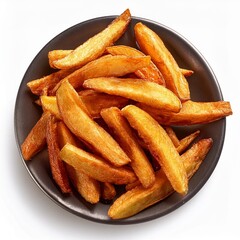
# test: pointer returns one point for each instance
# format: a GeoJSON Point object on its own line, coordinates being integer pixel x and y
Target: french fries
{"type": "Point", "coordinates": [160, 146]}
{"type": "Point", "coordinates": [150, 73]}
{"type": "Point", "coordinates": [79, 122]}
{"type": "Point", "coordinates": [88, 188]}
{"type": "Point", "coordinates": [108, 119]}
{"type": "Point", "coordinates": [58, 167]}
{"type": "Point", "coordinates": [150, 43]}
{"type": "Point", "coordinates": [139, 198]}
{"type": "Point", "coordinates": [106, 66]}
{"type": "Point", "coordinates": [191, 113]}
{"type": "Point", "coordinates": [95, 46]}
{"type": "Point", "coordinates": [150, 93]}
{"type": "Point", "coordinates": [95, 166]}
{"type": "Point", "coordinates": [36, 139]}
{"type": "Point", "coordinates": [127, 140]}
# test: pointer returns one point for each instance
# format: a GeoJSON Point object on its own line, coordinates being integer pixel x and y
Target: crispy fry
{"type": "Point", "coordinates": [150, 73]}
{"type": "Point", "coordinates": [185, 142]}
{"type": "Point", "coordinates": [108, 191]}
{"type": "Point", "coordinates": [95, 166]}
{"type": "Point", "coordinates": [172, 136]}
{"type": "Point", "coordinates": [187, 72]}
{"type": "Point", "coordinates": [44, 85]}
{"type": "Point", "coordinates": [85, 128]}
{"type": "Point", "coordinates": [58, 167]}
{"type": "Point", "coordinates": [106, 66]}
{"type": "Point", "coordinates": [96, 101]}
{"type": "Point", "coordinates": [95, 46]}
{"type": "Point", "coordinates": [129, 143]}
{"type": "Point", "coordinates": [139, 198]}
{"type": "Point", "coordinates": [36, 139]}
{"type": "Point", "coordinates": [139, 90]}
{"type": "Point", "coordinates": [88, 187]}
{"type": "Point", "coordinates": [160, 146]}
{"type": "Point", "coordinates": [49, 103]}
{"type": "Point", "coordinates": [56, 55]}
{"type": "Point", "coordinates": [151, 44]}
{"type": "Point", "coordinates": [191, 113]}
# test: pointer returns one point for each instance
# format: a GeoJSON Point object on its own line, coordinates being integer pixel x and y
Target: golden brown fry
{"type": "Point", "coordinates": [106, 66]}
{"type": "Point", "coordinates": [56, 55]}
{"type": "Point", "coordinates": [151, 44]}
{"type": "Point", "coordinates": [187, 72]}
{"type": "Point", "coordinates": [44, 85]}
{"type": "Point", "coordinates": [139, 90]}
{"type": "Point", "coordinates": [58, 167]}
{"type": "Point", "coordinates": [95, 46]}
{"type": "Point", "coordinates": [185, 142]}
{"type": "Point", "coordinates": [172, 136]}
{"type": "Point", "coordinates": [160, 146]}
{"type": "Point", "coordinates": [88, 187]}
{"type": "Point", "coordinates": [79, 122]}
{"type": "Point", "coordinates": [191, 113]}
{"type": "Point", "coordinates": [129, 143]}
{"type": "Point", "coordinates": [36, 139]}
{"type": "Point", "coordinates": [150, 73]}
{"type": "Point", "coordinates": [139, 198]}
{"type": "Point", "coordinates": [49, 103]}
{"type": "Point", "coordinates": [96, 101]}
{"type": "Point", "coordinates": [108, 191]}
{"type": "Point", "coordinates": [95, 166]}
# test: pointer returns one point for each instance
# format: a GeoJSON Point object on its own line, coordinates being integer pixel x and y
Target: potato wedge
{"type": "Point", "coordinates": [172, 136]}
{"type": "Point", "coordinates": [129, 143]}
{"type": "Point", "coordinates": [36, 139]}
{"type": "Point", "coordinates": [191, 113]}
{"type": "Point", "coordinates": [150, 73]}
{"type": "Point", "coordinates": [95, 166]}
{"type": "Point", "coordinates": [87, 187]}
{"type": "Point", "coordinates": [151, 44]}
{"type": "Point", "coordinates": [49, 103]}
{"type": "Point", "coordinates": [57, 166]}
{"type": "Point", "coordinates": [108, 191]}
{"type": "Point", "coordinates": [44, 85]}
{"type": "Point", "coordinates": [79, 122]}
{"type": "Point", "coordinates": [96, 101]}
{"type": "Point", "coordinates": [185, 142]}
{"type": "Point", "coordinates": [95, 46]}
{"type": "Point", "coordinates": [160, 146]}
{"type": "Point", "coordinates": [56, 55]}
{"type": "Point", "coordinates": [139, 90]}
{"type": "Point", "coordinates": [106, 66]}
{"type": "Point", "coordinates": [139, 198]}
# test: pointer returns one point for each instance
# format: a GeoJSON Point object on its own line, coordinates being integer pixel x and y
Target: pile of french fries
{"type": "Point", "coordinates": [108, 112]}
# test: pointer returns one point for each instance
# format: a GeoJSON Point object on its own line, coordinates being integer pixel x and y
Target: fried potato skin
{"type": "Point", "coordinates": [160, 146]}
{"type": "Point", "coordinates": [36, 139]}
{"type": "Point", "coordinates": [192, 113]}
{"type": "Point", "coordinates": [58, 167]}
{"type": "Point", "coordinates": [81, 124]}
{"type": "Point", "coordinates": [151, 44]}
{"type": "Point", "coordinates": [139, 198]}
{"type": "Point", "coordinates": [129, 143]}
{"type": "Point", "coordinates": [95, 46]}
{"type": "Point", "coordinates": [139, 90]}
{"type": "Point", "coordinates": [95, 166]}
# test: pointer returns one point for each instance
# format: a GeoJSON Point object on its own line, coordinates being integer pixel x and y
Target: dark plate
{"type": "Point", "coordinates": [203, 86]}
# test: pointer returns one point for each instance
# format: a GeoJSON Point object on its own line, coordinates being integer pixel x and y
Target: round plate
{"type": "Point", "coordinates": [203, 87]}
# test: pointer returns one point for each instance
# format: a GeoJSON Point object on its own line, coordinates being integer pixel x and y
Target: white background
{"type": "Point", "coordinates": [26, 26]}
